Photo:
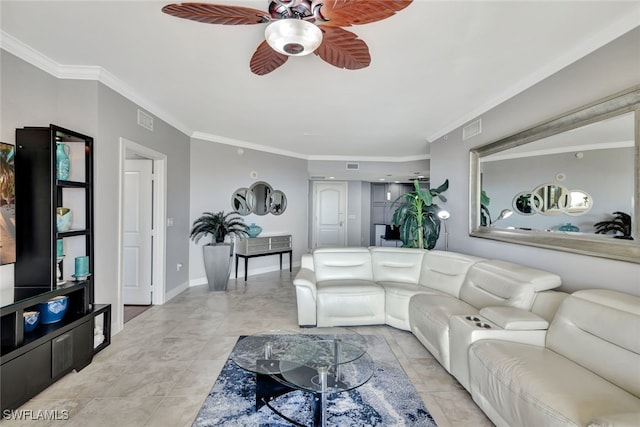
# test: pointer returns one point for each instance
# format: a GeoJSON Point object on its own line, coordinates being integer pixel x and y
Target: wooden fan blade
{"type": "Point", "coordinates": [343, 13]}
{"type": "Point", "coordinates": [265, 59]}
{"type": "Point", "coordinates": [343, 49]}
{"type": "Point", "coordinates": [217, 14]}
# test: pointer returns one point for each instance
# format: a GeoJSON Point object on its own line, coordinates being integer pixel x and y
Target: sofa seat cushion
{"type": "Point", "coordinates": [530, 385]}
{"type": "Point", "coordinates": [429, 321]}
{"type": "Point", "coordinates": [349, 302]}
{"type": "Point", "coordinates": [397, 296]}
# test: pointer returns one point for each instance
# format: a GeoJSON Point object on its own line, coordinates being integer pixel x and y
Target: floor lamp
{"type": "Point", "coordinates": [505, 213]}
{"type": "Point", "coordinates": [444, 215]}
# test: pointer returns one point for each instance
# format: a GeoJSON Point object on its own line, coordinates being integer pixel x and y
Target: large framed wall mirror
{"type": "Point", "coordinates": [570, 184]}
{"type": "Point", "coordinates": [259, 199]}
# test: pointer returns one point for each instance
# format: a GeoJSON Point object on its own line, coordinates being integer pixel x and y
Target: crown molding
{"type": "Point", "coordinates": [97, 73]}
{"type": "Point", "coordinates": [608, 34]}
{"type": "Point", "coordinates": [244, 144]}
{"type": "Point", "coordinates": [372, 158]}
{"type": "Point", "coordinates": [85, 72]}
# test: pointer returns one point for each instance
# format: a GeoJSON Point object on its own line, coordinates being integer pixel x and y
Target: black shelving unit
{"type": "Point", "coordinates": [32, 361]}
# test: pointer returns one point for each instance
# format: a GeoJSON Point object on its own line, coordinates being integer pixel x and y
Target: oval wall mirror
{"type": "Point", "coordinates": [553, 199]}
{"type": "Point", "coordinates": [578, 203]}
{"type": "Point", "coordinates": [522, 203]}
{"type": "Point", "coordinates": [242, 201]}
{"type": "Point", "coordinates": [262, 196]}
{"type": "Point", "coordinates": [278, 202]}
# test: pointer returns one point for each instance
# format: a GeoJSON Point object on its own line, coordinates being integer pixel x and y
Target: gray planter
{"type": "Point", "coordinates": [217, 265]}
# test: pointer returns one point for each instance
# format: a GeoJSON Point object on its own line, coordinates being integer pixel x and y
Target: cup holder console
{"type": "Point", "coordinates": [479, 323]}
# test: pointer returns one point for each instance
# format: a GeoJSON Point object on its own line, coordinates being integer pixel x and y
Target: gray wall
{"type": "Point", "coordinates": [608, 70]}
{"type": "Point", "coordinates": [31, 97]}
{"type": "Point", "coordinates": [606, 175]}
{"type": "Point", "coordinates": [217, 170]}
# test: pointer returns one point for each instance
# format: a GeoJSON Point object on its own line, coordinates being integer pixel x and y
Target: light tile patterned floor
{"type": "Point", "coordinates": [160, 368]}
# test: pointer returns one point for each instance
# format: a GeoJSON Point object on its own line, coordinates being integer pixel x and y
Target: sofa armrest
{"type": "Point", "coordinates": [306, 292]}
{"type": "Point", "coordinates": [306, 261]}
{"type": "Point", "coordinates": [306, 279]}
{"type": "Point", "coordinates": [623, 419]}
{"type": "Point", "coordinates": [514, 319]}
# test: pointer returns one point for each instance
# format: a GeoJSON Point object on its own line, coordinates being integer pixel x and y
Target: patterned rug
{"type": "Point", "coordinates": [387, 399]}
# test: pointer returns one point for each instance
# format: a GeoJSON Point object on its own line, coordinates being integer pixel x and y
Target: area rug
{"type": "Point", "coordinates": [387, 399]}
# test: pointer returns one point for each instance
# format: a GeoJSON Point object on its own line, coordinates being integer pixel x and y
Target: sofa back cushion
{"type": "Point", "coordinates": [446, 271]}
{"type": "Point", "coordinates": [600, 330]}
{"type": "Point", "coordinates": [342, 263]}
{"type": "Point", "coordinates": [396, 264]}
{"type": "Point", "coordinates": [497, 282]}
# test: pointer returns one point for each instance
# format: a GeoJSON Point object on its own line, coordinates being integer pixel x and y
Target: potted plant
{"type": "Point", "coordinates": [621, 223]}
{"type": "Point", "coordinates": [217, 254]}
{"type": "Point", "coordinates": [417, 216]}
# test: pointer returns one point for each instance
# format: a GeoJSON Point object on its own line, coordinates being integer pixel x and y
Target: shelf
{"type": "Point", "coordinates": [71, 184]}
{"type": "Point", "coordinates": [30, 362]}
{"type": "Point", "coordinates": [72, 233]}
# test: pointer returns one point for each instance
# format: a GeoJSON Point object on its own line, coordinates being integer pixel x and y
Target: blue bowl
{"type": "Point", "coordinates": [31, 319]}
{"type": "Point", "coordinates": [53, 311]}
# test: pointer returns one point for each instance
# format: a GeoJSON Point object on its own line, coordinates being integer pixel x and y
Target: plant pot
{"type": "Point", "coordinates": [217, 265]}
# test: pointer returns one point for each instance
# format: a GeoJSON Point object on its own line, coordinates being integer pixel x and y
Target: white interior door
{"type": "Point", "coordinates": [138, 231]}
{"type": "Point", "coordinates": [330, 200]}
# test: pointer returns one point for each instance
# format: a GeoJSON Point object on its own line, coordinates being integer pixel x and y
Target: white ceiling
{"type": "Point", "coordinates": [435, 66]}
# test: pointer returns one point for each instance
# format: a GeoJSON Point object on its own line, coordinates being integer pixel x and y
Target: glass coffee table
{"type": "Point", "coordinates": [331, 360]}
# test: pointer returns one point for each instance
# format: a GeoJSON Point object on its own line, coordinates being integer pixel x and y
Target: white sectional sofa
{"type": "Point", "coordinates": [586, 372]}
{"type": "Point", "coordinates": [486, 322]}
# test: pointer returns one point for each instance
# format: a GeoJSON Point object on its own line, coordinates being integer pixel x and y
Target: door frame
{"type": "Point", "coordinates": [159, 209]}
{"type": "Point", "coordinates": [314, 210]}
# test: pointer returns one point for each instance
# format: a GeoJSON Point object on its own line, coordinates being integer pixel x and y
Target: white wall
{"type": "Point", "coordinates": [610, 69]}
{"type": "Point", "coordinates": [217, 170]}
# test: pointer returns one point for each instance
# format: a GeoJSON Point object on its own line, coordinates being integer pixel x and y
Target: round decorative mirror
{"type": "Point", "coordinates": [242, 201]}
{"type": "Point", "coordinates": [262, 195]}
{"type": "Point", "coordinates": [578, 203]}
{"type": "Point", "coordinates": [278, 202]}
{"type": "Point", "coordinates": [522, 203]}
{"type": "Point", "coordinates": [553, 199]}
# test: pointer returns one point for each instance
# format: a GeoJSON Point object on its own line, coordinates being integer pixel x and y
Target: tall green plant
{"type": "Point", "coordinates": [417, 216]}
{"type": "Point", "coordinates": [218, 225]}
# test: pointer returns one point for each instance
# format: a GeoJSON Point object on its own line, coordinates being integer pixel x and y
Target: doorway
{"type": "Point", "coordinates": [142, 215]}
{"type": "Point", "coordinates": [329, 212]}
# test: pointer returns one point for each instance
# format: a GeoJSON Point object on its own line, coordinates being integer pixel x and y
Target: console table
{"type": "Point", "coordinates": [263, 246]}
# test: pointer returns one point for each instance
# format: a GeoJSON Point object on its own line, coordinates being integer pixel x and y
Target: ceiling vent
{"type": "Point", "coordinates": [145, 120]}
{"type": "Point", "coordinates": [472, 129]}
{"type": "Point", "coordinates": [353, 166]}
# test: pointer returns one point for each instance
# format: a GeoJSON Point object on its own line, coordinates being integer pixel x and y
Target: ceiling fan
{"type": "Point", "coordinates": [299, 27]}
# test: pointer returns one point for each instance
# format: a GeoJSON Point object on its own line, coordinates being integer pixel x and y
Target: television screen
{"type": "Point", "coordinates": [7, 204]}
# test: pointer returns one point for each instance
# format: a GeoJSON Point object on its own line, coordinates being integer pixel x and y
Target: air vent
{"type": "Point", "coordinates": [353, 166]}
{"type": "Point", "coordinates": [318, 177]}
{"type": "Point", "coordinates": [472, 129]}
{"type": "Point", "coordinates": [145, 120]}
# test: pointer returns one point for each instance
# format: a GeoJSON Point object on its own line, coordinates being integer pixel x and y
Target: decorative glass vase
{"type": "Point", "coordinates": [63, 219]}
{"type": "Point", "coordinates": [569, 227]}
{"type": "Point", "coordinates": [62, 161]}
{"type": "Point", "coordinates": [254, 230]}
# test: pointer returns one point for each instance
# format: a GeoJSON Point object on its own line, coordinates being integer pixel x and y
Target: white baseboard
{"type": "Point", "coordinates": [176, 291]}
{"type": "Point", "coordinates": [252, 272]}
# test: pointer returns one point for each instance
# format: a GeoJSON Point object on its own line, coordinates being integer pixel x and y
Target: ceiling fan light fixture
{"type": "Point", "coordinates": [293, 37]}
